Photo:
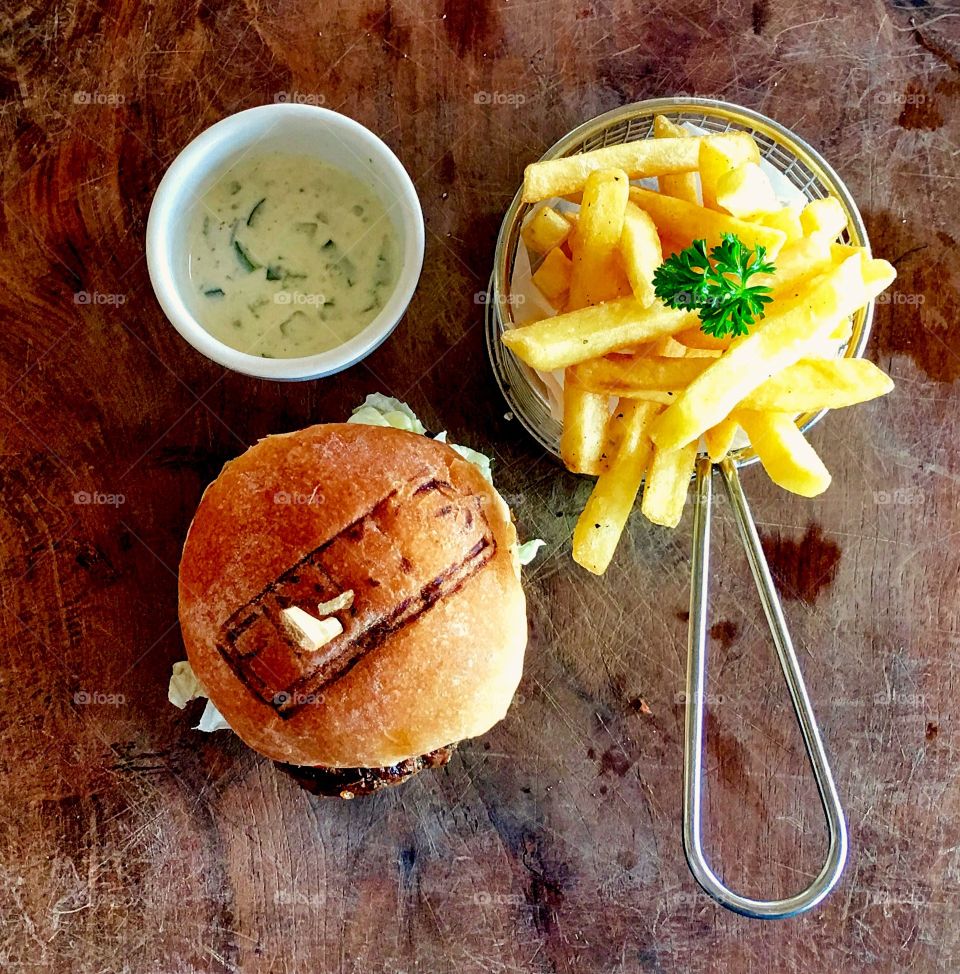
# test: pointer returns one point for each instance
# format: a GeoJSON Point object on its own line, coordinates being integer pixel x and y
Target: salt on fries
{"type": "Point", "coordinates": [648, 384]}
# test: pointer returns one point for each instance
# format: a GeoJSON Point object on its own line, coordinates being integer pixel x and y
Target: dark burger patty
{"type": "Point", "coordinates": [352, 782]}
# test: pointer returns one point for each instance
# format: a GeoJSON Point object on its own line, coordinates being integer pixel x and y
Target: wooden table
{"type": "Point", "coordinates": [132, 844]}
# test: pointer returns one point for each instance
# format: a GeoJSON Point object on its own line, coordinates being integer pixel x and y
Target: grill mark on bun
{"type": "Point", "coordinates": [261, 653]}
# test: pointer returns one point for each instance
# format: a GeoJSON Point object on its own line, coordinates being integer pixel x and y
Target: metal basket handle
{"type": "Point", "coordinates": [696, 687]}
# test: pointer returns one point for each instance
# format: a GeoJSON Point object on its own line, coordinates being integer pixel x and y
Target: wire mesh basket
{"type": "Point", "coordinates": [805, 169]}
{"type": "Point", "coordinates": [808, 173]}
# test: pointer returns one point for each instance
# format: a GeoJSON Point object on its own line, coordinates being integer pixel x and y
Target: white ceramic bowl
{"type": "Point", "coordinates": [301, 129]}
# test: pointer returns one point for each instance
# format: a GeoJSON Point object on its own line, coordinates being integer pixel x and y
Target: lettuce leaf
{"type": "Point", "coordinates": [184, 687]}
{"type": "Point", "coordinates": [380, 410]}
{"type": "Point", "coordinates": [528, 550]}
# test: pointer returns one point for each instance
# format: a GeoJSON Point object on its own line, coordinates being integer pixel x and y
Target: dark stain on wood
{"type": "Point", "coordinates": [729, 754]}
{"type": "Point", "coordinates": [614, 761]}
{"type": "Point", "coordinates": [725, 632]}
{"type": "Point", "coordinates": [546, 884]}
{"type": "Point", "coordinates": [472, 28]}
{"type": "Point", "coordinates": [920, 110]}
{"type": "Point", "coordinates": [803, 567]}
{"type": "Point", "coordinates": [759, 15]}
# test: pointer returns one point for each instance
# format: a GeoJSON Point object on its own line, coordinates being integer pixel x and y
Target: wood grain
{"type": "Point", "coordinates": [132, 844]}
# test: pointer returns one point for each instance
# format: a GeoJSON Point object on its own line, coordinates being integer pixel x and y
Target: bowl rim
{"type": "Point", "coordinates": [192, 165]}
{"type": "Point", "coordinates": [498, 307]}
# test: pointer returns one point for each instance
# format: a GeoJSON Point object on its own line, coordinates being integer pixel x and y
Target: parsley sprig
{"type": "Point", "coordinates": [716, 284]}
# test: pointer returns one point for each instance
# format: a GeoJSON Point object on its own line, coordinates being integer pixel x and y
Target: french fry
{"type": "Point", "coordinates": [790, 461]}
{"type": "Point", "coordinates": [797, 262]}
{"type": "Point", "coordinates": [719, 158]}
{"type": "Point", "coordinates": [695, 338]}
{"type": "Point", "coordinates": [786, 218]}
{"type": "Point", "coordinates": [671, 348]}
{"type": "Point", "coordinates": [746, 190]}
{"type": "Point", "coordinates": [641, 253]}
{"type": "Point", "coordinates": [567, 339]}
{"type": "Point", "coordinates": [601, 524]}
{"type": "Point", "coordinates": [781, 340]}
{"type": "Point", "coordinates": [614, 433]}
{"type": "Point", "coordinates": [666, 485]}
{"type": "Point", "coordinates": [812, 385]}
{"type": "Point", "coordinates": [598, 232]}
{"type": "Point", "coordinates": [808, 386]}
{"type": "Point", "coordinates": [718, 439]}
{"type": "Point", "coordinates": [624, 376]}
{"type": "Point", "coordinates": [552, 277]}
{"type": "Point", "coordinates": [825, 217]}
{"type": "Point", "coordinates": [584, 423]}
{"type": "Point", "coordinates": [684, 222]}
{"type": "Point", "coordinates": [684, 186]}
{"type": "Point", "coordinates": [647, 157]}
{"type": "Point", "coordinates": [545, 230]}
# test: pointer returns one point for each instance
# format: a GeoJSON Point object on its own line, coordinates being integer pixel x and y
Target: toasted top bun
{"type": "Point", "coordinates": [432, 645]}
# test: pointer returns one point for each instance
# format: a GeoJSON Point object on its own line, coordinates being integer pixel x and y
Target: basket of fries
{"type": "Point", "coordinates": [684, 286]}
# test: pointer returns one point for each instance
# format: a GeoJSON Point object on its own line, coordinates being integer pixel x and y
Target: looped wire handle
{"type": "Point", "coordinates": [696, 689]}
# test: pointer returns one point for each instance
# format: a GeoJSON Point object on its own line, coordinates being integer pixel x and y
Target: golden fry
{"type": "Point", "coordinates": [718, 159]}
{"type": "Point", "coordinates": [614, 433]}
{"type": "Point", "coordinates": [719, 438]}
{"type": "Point", "coordinates": [640, 251]}
{"type": "Point", "coordinates": [598, 232]}
{"type": "Point", "coordinates": [746, 190]}
{"type": "Point", "coordinates": [781, 340]}
{"type": "Point", "coordinates": [545, 230]}
{"type": "Point", "coordinates": [552, 277]}
{"type": "Point", "coordinates": [684, 186]}
{"type": "Point", "coordinates": [825, 217]}
{"type": "Point", "coordinates": [684, 222]}
{"type": "Point", "coordinates": [666, 485]}
{"type": "Point", "coordinates": [600, 525]}
{"type": "Point", "coordinates": [647, 157]}
{"type": "Point", "coordinates": [584, 422]}
{"type": "Point", "coordinates": [695, 338]}
{"type": "Point", "coordinates": [790, 461]}
{"type": "Point", "coordinates": [797, 263]}
{"type": "Point", "coordinates": [812, 385]}
{"type": "Point", "coordinates": [786, 218]}
{"type": "Point", "coordinates": [623, 376]}
{"type": "Point", "coordinates": [567, 339]}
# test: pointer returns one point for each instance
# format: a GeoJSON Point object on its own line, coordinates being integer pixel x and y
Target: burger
{"type": "Point", "coordinates": [350, 600]}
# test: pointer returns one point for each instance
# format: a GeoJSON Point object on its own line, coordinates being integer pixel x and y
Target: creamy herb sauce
{"type": "Point", "coordinates": [289, 256]}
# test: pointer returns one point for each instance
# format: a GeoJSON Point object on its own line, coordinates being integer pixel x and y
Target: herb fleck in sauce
{"type": "Point", "coordinates": [289, 256]}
